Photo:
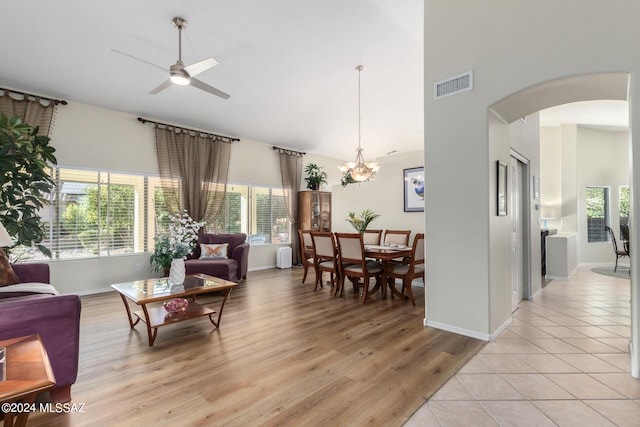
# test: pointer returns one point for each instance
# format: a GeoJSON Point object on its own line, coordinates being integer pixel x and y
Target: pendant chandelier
{"type": "Point", "coordinates": [359, 171]}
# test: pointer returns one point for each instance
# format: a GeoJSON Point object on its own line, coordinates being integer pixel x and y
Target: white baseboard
{"type": "Point", "coordinates": [502, 327]}
{"type": "Point", "coordinates": [457, 330]}
{"type": "Point", "coordinates": [94, 291]}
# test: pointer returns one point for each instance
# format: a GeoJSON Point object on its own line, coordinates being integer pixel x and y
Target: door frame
{"type": "Point", "coordinates": [526, 223]}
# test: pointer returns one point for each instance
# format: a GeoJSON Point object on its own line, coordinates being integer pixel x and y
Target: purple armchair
{"type": "Point", "coordinates": [55, 317]}
{"type": "Point", "coordinates": [233, 268]}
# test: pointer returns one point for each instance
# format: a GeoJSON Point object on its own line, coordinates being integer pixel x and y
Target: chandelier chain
{"type": "Point", "coordinates": [359, 68]}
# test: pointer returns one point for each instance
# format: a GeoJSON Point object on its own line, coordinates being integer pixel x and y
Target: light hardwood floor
{"type": "Point", "coordinates": [284, 356]}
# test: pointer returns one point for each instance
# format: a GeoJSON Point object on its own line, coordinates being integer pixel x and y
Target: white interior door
{"type": "Point", "coordinates": [517, 234]}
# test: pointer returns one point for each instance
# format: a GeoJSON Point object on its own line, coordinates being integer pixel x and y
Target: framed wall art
{"type": "Point", "coordinates": [501, 179]}
{"type": "Point", "coordinates": [414, 189]}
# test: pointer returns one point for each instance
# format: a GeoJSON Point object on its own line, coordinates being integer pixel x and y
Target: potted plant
{"type": "Point", "coordinates": [315, 176]}
{"type": "Point", "coordinates": [361, 221]}
{"type": "Point", "coordinates": [25, 184]}
{"type": "Point", "coordinates": [176, 244]}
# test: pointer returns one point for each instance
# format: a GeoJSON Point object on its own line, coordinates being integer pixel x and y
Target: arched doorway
{"type": "Point", "coordinates": [609, 86]}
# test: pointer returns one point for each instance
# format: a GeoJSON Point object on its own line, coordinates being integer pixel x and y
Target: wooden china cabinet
{"type": "Point", "coordinates": [314, 209]}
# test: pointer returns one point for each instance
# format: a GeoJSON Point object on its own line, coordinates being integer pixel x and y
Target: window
{"type": "Point", "coordinates": [260, 212]}
{"type": "Point", "coordinates": [101, 213]}
{"type": "Point", "coordinates": [93, 213]}
{"type": "Point", "coordinates": [272, 220]}
{"type": "Point", "coordinates": [625, 205]}
{"type": "Point", "coordinates": [597, 213]}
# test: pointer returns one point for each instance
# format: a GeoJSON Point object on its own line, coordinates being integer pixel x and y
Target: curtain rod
{"type": "Point", "coordinates": [55, 101]}
{"type": "Point", "coordinates": [288, 151]}
{"type": "Point", "coordinates": [230, 139]}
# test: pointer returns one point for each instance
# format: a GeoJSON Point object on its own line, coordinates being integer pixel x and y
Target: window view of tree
{"type": "Point", "coordinates": [100, 213]}
{"type": "Point", "coordinates": [625, 204]}
{"type": "Point", "coordinates": [100, 219]}
{"type": "Point", "coordinates": [597, 204]}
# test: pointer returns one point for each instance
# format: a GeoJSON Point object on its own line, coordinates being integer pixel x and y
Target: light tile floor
{"type": "Point", "coordinates": [564, 360]}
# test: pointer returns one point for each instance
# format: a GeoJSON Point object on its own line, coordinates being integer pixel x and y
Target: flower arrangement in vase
{"type": "Point", "coordinates": [174, 245]}
{"type": "Point", "coordinates": [362, 220]}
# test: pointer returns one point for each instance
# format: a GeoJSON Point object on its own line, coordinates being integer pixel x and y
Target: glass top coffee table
{"type": "Point", "coordinates": [143, 292]}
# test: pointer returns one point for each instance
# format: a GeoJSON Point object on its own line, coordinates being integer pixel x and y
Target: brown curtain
{"type": "Point", "coordinates": [291, 171]}
{"type": "Point", "coordinates": [194, 168]}
{"type": "Point", "coordinates": [34, 111]}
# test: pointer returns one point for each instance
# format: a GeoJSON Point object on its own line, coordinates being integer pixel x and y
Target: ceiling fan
{"type": "Point", "coordinates": [181, 75]}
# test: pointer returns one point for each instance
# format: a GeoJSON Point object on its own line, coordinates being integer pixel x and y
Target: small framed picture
{"type": "Point", "coordinates": [414, 189]}
{"type": "Point", "coordinates": [501, 178]}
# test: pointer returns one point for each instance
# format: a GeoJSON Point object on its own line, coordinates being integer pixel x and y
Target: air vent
{"type": "Point", "coordinates": [453, 85]}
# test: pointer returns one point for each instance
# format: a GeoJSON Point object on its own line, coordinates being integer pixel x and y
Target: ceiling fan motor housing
{"type": "Point", "coordinates": [179, 75]}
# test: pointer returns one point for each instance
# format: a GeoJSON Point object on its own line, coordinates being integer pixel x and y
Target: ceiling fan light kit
{"type": "Point", "coordinates": [179, 75]}
{"type": "Point", "coordinates": [360, 171]}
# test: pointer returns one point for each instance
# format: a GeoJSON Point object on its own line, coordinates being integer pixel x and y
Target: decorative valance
{"type": "Point", "coordinates": [34, 110]}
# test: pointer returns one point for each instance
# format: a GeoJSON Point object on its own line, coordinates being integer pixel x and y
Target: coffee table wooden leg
{"type": "Point", "coordinates": [151, 332]}
{"type": "Point", "coordinates": [217, 324]}
{"type": "Point", "coordinates": [19, 419]}
{"type": "Point", "coordinates": [132, 324]}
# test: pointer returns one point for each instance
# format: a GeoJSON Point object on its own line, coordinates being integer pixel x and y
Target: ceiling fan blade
{"type": "Point", "coordinates": [138, 59]}
{"type": "Point", "coordinates": [200, 67]}
{"type": "Point", "coordinates": [212, 90]}
{"type": "Point", "coordinates": [162, 86]}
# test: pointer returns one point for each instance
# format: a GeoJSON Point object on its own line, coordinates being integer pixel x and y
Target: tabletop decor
{"type": "Point", "coordinates": [178, 242]}
{"type": "Point", "coordinates": [362, 220]}
{"type": "Point", "coordinates": [176, 305]}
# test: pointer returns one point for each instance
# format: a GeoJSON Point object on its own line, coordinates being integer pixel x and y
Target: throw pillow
{"type": "Point", "coordinates": [7, 275]}
{"type": "Point", "coordinates": [213, 250]}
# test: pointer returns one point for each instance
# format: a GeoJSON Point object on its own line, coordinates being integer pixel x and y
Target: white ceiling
{"type": "Point", "coordinates": [289, 66]}
{"type": "Point", "coordinates": [604, 114]}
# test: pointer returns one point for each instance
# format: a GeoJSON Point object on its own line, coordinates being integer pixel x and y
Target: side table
{"type": "Point", "coordinates": [28, 373]}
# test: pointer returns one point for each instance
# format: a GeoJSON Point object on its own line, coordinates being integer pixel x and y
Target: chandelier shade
{"type": "Point", "coordinates": [360, 170]}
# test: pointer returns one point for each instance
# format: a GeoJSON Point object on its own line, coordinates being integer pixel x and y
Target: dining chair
{"type": "Point", "coordinates": [413, 270]}
{"type": "Point", "coordinates": [397, 237]}
{"type": "Point", "coordinates": [372, 237]}
{"type": "Point", "coordinates": [325, 258]}
{"type": "Point", "coordinates": [624, 236]}
{"type": "Point", "coordinates": [619, 252]}
{"type": "Point", "coordinates": [306, 251]}
{"type": "Point", "coordinates": [354, 265]}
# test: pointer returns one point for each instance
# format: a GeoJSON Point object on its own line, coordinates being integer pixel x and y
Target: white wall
{"type": "Point", "coordinates": [573, 158]}
{"type": "Point", "coordinates": [551, 169]}
{"type": "Point", "coordinates": [520, 138]}
{"type": "Point", "coordinates": [384, 196]}
{"type": "Point", "coordinates": [90, 137]}
{"type": "Point", "coordinates": [510, 46]}
{"type": "Point", "coordinates": [602, 160]}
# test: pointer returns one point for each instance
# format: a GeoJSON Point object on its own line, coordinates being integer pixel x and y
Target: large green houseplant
{"type": "Point", "coordinates": [25, 184]}
{"type": "Point", "coordinates": [315, 176]}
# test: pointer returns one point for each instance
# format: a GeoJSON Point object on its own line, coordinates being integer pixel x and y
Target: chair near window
{"type": "Point", "coordinates": [413, 270]}
{"type": "Point", "coordinates": [306, 251]}
{"type": "Point", "coordinates": [619, 252]}
{"type": "Point", "coordinates": [372, 237]}
{"type": "Point", "coordinates": [624, 235]}
{"type": "Point", "coordinates": [354, 265]}
{"type": "Point", "coordinates": [325, 258]}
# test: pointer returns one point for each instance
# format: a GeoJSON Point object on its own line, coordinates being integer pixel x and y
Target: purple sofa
{"type": "Point", "coordinates": [232, 268]}
{"type": "Point", "coordinates": [55, 317]}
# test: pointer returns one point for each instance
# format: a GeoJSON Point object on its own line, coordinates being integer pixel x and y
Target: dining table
{"type": "Point", "coordinates": [385, 254]}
